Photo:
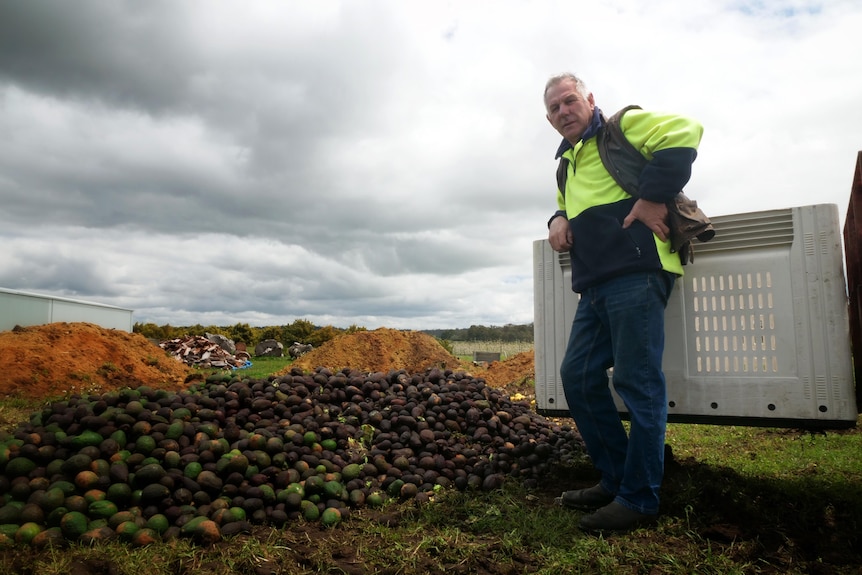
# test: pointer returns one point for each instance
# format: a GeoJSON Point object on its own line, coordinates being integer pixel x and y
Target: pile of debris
{"type": "Point", "coordinates": [299, 349]}
{"type": "Point", "coordinates": [210, 351]}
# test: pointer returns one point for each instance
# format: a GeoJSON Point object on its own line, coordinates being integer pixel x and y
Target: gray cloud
{"type": "Point", "coordinates": [381, 163]}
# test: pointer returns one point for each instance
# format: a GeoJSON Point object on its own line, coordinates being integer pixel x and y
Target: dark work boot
{"type": "Point", "coordinates": [615, 517]}
{"type": "Point", "coordinates": [589, 498]}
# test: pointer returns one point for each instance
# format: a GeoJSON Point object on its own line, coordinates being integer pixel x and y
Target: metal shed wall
{"type": "Point", "coordinates": [27, 309]}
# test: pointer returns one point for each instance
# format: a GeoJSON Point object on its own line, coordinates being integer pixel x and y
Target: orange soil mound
{"type": "Point", "coordinates": [387, 349]}
{"type": "Point", "coordinates": [60, 358]}
{"type": "Point", "coordinates": [379, 350]}
{"type": "Point", "coordinates": [515, 374]}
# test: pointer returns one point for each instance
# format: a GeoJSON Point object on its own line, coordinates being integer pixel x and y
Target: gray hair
{"type": "Point", "coordinates": [554, 80]}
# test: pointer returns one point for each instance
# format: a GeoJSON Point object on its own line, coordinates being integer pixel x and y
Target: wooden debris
{"type": "Point", "coordinates": [198, 351]}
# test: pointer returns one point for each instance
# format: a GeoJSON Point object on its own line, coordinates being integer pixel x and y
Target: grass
{"type": "Point", "coordinates": [782, 453]}
{"type": "Point", "coordinates": [736, 500]}
{"type": "Point", "coordinates": [262, 367]}
{"type": "Point", "coordinates": [14, 410]}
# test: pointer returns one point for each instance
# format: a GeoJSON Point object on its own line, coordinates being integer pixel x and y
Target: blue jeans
{"type": "Point", "coordinates": [620, 323]}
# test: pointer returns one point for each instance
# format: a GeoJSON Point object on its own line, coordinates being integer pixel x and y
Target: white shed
{"type": "Point", "coordinates": [27, 309]}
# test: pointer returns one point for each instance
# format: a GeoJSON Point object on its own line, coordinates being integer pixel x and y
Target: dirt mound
{"type": "Point", "coordinates": [59, 358]}
{"type": "Point", "coordinates": [513, 374]}
{"type": "Point", "coordinates": [387, 349]}
{"type": "Point", "coordinates": [379, 350]}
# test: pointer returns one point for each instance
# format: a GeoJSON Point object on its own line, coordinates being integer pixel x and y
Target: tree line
{"type": "Point", "coordinates": [304, 331]}
{"type": "Point", "coordinates": [509, 332]}
{"type": "Point", "coordinates": [300, 330]}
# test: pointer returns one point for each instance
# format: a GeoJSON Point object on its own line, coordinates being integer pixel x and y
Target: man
{"type": "Point", "coordinates": [624, 271]}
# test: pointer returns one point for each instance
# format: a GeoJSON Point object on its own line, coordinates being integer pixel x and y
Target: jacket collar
{"type": "Point", "coordinates": [591, 131]}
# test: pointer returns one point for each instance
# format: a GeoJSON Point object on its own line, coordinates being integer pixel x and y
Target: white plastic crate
{"type": "Point", "coordinates": [757, 331]}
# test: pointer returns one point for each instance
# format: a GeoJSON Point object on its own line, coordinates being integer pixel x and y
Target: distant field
{"type": "Point", "coordinates": [505, 348]}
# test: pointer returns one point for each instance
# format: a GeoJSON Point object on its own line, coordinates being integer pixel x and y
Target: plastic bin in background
{"type": "Point", "coordinates": [757, 330]}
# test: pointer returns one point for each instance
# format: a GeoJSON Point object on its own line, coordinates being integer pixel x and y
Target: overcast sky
{"type": "Point", "coordinates": [378, 163]}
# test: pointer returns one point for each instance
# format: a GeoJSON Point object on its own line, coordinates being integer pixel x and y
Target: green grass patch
{"type": "Point", "coordinates": [263, 367]}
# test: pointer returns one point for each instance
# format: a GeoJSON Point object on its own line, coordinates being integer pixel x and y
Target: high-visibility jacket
{"type": "Point", "coordinates": [596, 206]}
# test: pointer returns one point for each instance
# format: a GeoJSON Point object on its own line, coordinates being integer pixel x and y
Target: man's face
{"type": "Point", "coordinates": [568, 112]}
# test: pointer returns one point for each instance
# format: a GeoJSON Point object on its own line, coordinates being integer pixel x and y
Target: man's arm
{"type": "Point", "coordinates": [652, 214]}
{"type": "Point", "coordinates": [670, 142]}
{"type": "Point", "coordinates": [559, 233]}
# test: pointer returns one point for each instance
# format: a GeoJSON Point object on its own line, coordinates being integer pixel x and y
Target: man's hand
{"type": "Point", "coordinates": [560, 234]}
{"type": "Point", "coordinates": [652, 214]}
